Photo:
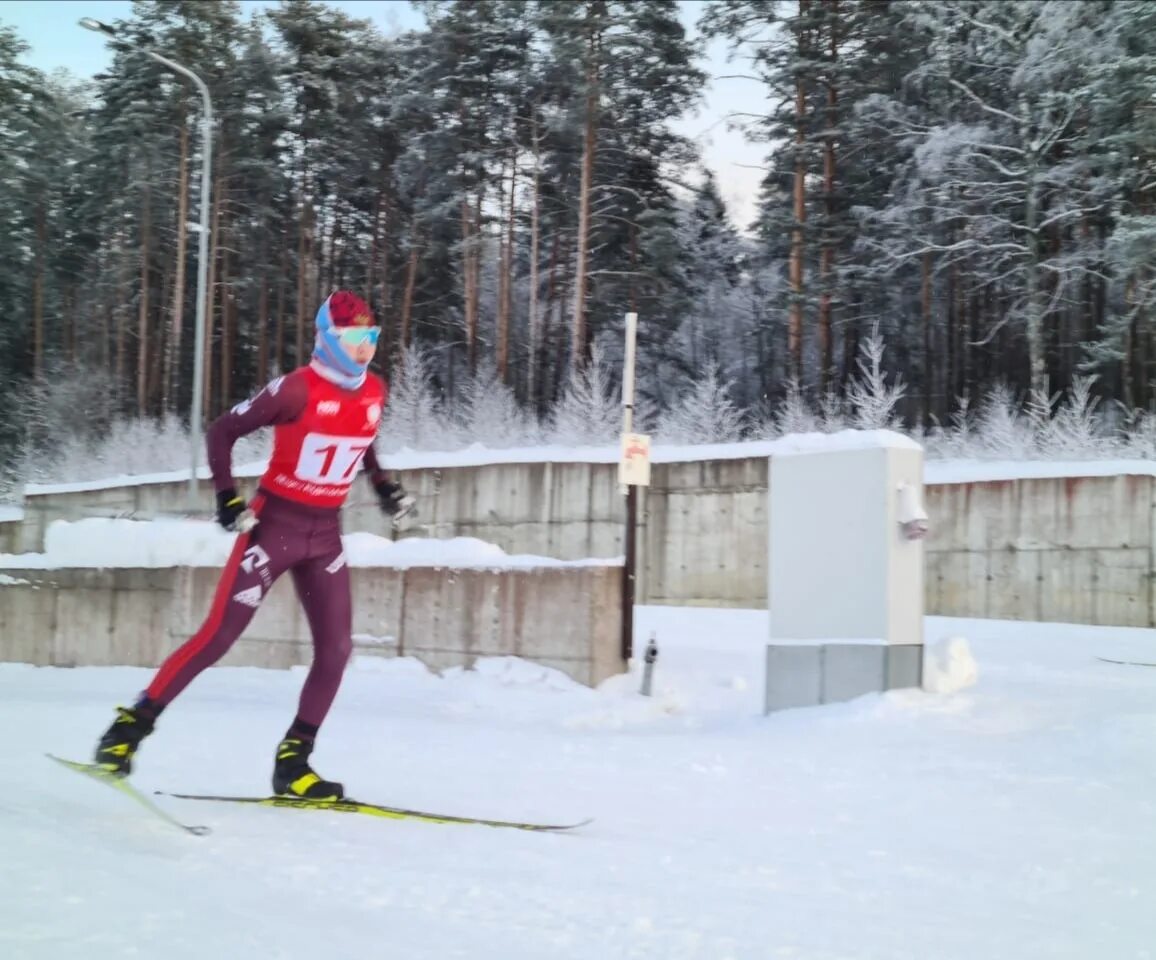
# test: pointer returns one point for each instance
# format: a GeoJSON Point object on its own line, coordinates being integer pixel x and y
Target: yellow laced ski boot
{"type": "Point", "coordinates": [293, 777]}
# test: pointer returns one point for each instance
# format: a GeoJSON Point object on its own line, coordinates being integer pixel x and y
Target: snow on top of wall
{"type": "Point", "coordinates": [795, 444]}
{"type": "Point", "coordinates": [123, 480]}
{"type": "Point", "coordinates": [935, 471]}
{"type": "Point", "coordinates": [472, 456]}
{"type": "Point", "coordinates": [985, 471]}
{"type": "Point", "coordinates": [108, 543]}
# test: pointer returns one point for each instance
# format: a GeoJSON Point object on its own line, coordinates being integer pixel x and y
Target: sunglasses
{"type": "Point", "coordinates": [356, 336]}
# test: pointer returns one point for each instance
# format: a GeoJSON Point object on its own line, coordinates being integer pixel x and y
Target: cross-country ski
{"type": "Point", "coordinates": [121, 785]}
{"type": "Point", "coordinates": [349, 805]}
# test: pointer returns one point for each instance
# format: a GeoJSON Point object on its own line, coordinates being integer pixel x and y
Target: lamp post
{"type": "Point", "coordinates": [202, 247]}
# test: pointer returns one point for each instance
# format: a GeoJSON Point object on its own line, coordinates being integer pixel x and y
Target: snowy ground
{"type": "Point", "coordinates": [1013, 819]}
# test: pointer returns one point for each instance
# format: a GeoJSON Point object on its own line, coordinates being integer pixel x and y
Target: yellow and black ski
{"type": "Point", "coordinates": [101, 775]}
{"type": "Point", "coordinates": [374, 810]}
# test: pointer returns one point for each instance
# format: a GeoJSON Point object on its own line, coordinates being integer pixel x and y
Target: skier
{"type": "Point", "coordinates": [325, 416]}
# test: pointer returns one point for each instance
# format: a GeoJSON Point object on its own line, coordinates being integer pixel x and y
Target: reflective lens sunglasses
{"type": "Point", "coordinates": [356, 336]}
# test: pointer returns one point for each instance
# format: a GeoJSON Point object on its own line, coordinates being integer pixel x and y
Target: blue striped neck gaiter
{"type": "Point", "coordinates": [329, 359]}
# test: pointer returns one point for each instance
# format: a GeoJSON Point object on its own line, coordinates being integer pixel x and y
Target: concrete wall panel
{"type": "Point", "coordinates": [567, 618]}
{"type": "Point", "coordinates": [703, 532]}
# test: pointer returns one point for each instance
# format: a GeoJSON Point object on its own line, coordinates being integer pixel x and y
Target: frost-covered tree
{"type": "Point", "coordinates": [589, 412]}
{"type": "Point", "coordinates": [492, 416]}
{"type": "Point", "coordinates": [1074, 429]}
{"type": "Point", "coordinates": [711, 323]}
{"type": "Point", "coordinates": [870, 398]}
{"type": "Point", "coordinates": [1004, 432]}
{"type": "Point", "coordinates": [1139, 436]}
{"type": "Point", "coordinates": [793, 415]}
{"type": "Point", "coordinates": [413, 416]}
{"type": "Point", "coordinates": [706, 414]}
{"type": "Point", "coordinates": [68, 407]}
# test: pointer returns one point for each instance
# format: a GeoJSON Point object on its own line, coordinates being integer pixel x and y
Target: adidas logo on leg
{"type": "Point", "coordinates": [250, 597]}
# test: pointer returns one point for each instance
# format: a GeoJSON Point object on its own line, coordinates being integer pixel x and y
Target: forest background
{"type": "Point", "coordinates": [953, 230]}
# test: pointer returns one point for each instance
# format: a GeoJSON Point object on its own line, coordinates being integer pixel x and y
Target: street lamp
{"type": "Point", "coordinates": [203, 243]}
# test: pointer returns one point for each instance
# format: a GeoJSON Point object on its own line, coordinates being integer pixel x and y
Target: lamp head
{"type": "Point", "coordinates": [90, 23]}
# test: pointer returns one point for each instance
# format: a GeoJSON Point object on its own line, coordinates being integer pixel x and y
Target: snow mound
{"type": "Point", "coordinates": [98, 542]}
{"type": "Point", "coordinates": [514, 672]}
{"type": "Point", "coordinates": [370, 550]}
{"type": "Point", "coordinates": [948, 666]}
{"type": "Point", "coordinates": [396, 668]}
{"type": "Point", "coordinates": [621, 705]}
{"type": "Point", "coordinates": [178, 542]}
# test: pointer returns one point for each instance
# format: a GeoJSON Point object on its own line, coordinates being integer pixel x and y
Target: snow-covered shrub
{"type": "Point", "coordinates": [870, 399]}
{"type": "Point", "coordinates": [957, 439]}
{"type": "Point", "coordinates": [414, 417]}
{"type": "Point", "coordinates": [1139, 436]}
{"type": "Point", "coordinates": [1003, 433]}
{"type": "Point", "coordinates": [706, 414]}
{"type": "Point", "coordinates": [588, 412]}
{"type": "Point", "coordinates": [794, 414]}
{"type": "Point", "coordinates": [492, 416]}
{"type": "Point", "coordinates": [1075, 430]}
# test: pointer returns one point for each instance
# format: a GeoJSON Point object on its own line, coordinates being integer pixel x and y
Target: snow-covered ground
{"type": "Point", "coordinates": [1011, 819]}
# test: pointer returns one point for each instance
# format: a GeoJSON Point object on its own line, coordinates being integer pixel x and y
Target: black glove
{"type": "Point", "coordinates": [395, 502]}
{"type": "Point", "coordinates": [230, 506]}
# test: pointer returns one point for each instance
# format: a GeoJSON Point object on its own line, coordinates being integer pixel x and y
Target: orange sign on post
{"type": "Point", "coordinates": [634, 464]}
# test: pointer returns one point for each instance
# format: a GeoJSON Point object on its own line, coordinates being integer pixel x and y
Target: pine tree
{"type": "Point", "coordinates": [626, 69]}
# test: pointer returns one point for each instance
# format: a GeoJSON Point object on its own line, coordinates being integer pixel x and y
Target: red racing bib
{"type": "Point", "coordinates": [317, 455]}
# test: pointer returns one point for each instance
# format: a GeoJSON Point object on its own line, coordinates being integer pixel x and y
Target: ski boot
{"type": "Point", "coordinates": [293, 777]}
{"type": "Point", "coordinates": [119, 744]}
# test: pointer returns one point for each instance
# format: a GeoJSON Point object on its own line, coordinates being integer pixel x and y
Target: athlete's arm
{"type": "Point", "coordinates": [281, 401]}
{"type": "Point", "coordinates": [373, 468]}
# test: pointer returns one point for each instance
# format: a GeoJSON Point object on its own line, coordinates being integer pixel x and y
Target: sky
{"type": "Point", "coordinates": [49, 28]}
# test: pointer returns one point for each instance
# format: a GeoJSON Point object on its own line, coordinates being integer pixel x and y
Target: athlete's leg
{"type": "Point", "coordinates": [323, 587]}
{"type": "Point", "coordinates": [322, 583]}
{"type": "Point", "coordinates": [257, 560]}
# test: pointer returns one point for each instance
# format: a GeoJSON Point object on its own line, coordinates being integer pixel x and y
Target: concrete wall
{"type": "Point", "coordinates": [562, 617]}
{"type": "Point", "coordinates": [702, 534]}
{"type": "Point", "coordinates": [11, 536]}
{"type": "Point", "coordinates": [1075, 549]}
